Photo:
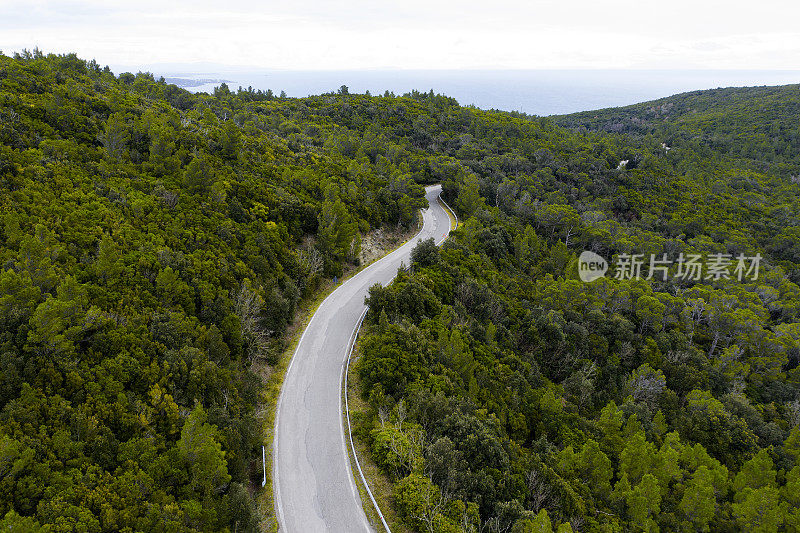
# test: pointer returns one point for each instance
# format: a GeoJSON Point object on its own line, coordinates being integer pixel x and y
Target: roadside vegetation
{"type": "Point", "coordinates": [508, 395]}
{"type": "Point", "coordinates": [155, 247]}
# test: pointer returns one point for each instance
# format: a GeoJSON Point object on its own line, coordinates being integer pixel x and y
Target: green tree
{"type": "Point", "coordinates": [338, 233]}
{"type": "Point", "coordinates": [644, 503]}
{"type": "Point", "coordinates": [792, 444]}
{"type": "Point", "coordinates": [199, 176]}
{"type": "Point", "coordinates": [14, 523]}
{"type": "Point", "coordinates": [759, 510]}
{"type": "Point", "coordinates": [596, 468]}
{"type": "Point", "coordinates": [469, 198]}
{"type": "Point", "coordinates": [115, 137]}
{"type": "Point", "coordinates": [756, 473]}
{"type": "Point", "coordinates": [539, 524]}
{"type": "Point", "coordinates": [419, 502]}
{"type": "Point", "coordinates": [637, 458]}
{"type": "Point", "coordinates": [425, 253]}
{"type": "Point", "coordinates": [698, 504]}
{"type": "Point", "coordinates": [610, 424]}
{"type": "Point", "coordinates": [201, 451]}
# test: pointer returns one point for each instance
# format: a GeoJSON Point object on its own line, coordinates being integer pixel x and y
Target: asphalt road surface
{"type": "Point", "coordinates": [312, 480]}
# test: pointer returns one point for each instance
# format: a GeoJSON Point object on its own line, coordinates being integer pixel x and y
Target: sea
{"type": "Point", "coordinates": [534, 92]}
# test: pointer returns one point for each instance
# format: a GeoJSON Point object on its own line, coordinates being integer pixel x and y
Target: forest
{"type": "Point", "coordinates": [508, 395]}
{"type": "Point", "coordinates": [156, 244]}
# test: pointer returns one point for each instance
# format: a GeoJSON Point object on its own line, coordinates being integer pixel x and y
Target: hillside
{"type": "Point", "coordinates": [756, 125]}
{"type": "Point", "coordinates": [508, 395]}
{"type": "Point", "coordinates": [156, 244]}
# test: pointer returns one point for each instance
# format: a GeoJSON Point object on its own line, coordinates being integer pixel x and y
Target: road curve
{"type": "Point", "coordinates": [311, 476]}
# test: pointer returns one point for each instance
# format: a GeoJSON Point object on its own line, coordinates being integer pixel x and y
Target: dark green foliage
{"type": "Point", "coordinates": [425, 253]}
{"type": "Point", "coordinates": [154, 245]}
{"type": "Point", "coordinates": [612, 405]}
{"type": "Point", "coordinates": [755, 126]}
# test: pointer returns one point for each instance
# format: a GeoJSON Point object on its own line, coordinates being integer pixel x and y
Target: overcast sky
{"type": "Point", "coordinates": [413, 34]}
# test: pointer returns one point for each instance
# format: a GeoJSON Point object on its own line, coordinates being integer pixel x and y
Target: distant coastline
{"type": "Point", "coordinates": [193, 83]}
{"type": "Point", "coordinates": [535, 92]}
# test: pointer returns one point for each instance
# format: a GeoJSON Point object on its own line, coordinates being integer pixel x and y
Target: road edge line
{"type": "Point", "coordinates": [275, 482]}
{"type": "Point", "coordinates": [451, 210]}
{"type": "Point", "coordinates": [350, 348]}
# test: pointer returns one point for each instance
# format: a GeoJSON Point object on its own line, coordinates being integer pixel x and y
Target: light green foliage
{"type": "Point", "coordinates": [704, 402]}
{"type": "Point", "coordinates": [756, 473]}
{"type": "Point", "coordinates": [203, 454]}
{"type": "Point", "coordinates": [792, 444]}
{"type": "Point", "coordinates": [644, 503]}
{"type": "Point", "coordinates": [155, 244]}
{"type": "Point", "coordinates": [698, 504]}
{"type": "Point", "coordinates": [421, 503]}
{"type": "Point", "coordinates": [469, 198]}
{"type": "Point", "coordinates": [539, 524]}
{"type": "Point", "coordinates": [398, 451]}
{"type": "Point", "coordinates": [337, 232]}
{"type": "Point", "coordinates": [591, 466]}
{"type": "Point", "coordinates": [14, 523]}
{"type": "Point", "coordinates": [637, 458]}
{"type": "Point", "coordinates": [759, 510]}
{"type": "Point", "coordinates": [666, 466]}
{"type": "Point", "coordinates": [610, 424]}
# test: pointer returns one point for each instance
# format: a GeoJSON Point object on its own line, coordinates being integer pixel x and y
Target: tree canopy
{"type": "Point", "coordinates": [155, 245]}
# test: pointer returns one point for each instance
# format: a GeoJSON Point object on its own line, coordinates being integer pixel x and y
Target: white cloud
{"type": "Point", "coordinates": [341, 34]}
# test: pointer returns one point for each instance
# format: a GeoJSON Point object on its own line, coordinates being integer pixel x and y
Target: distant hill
{"type": "Point", "coordinates": [155, 246]}
{"type": "Point", "coordinates": [193, 82]}
{"type": "Point", "coordinates": [754, 124]}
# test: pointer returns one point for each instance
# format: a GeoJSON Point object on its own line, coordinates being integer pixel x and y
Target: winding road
{"type": "Point", "coordinates": [311, 475]}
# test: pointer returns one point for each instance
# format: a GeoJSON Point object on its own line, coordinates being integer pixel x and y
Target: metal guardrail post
{"type": "Point", "coordinates": [349, 428]}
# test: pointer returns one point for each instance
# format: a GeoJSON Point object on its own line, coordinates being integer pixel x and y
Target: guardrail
{"type": "Point", "coordinates": [449, 209]}
{"type": "Point", "coordinates": [353, 338]}
{"type": "Point", "coordinates": [350, 348]}
{"type": "Point", "coordinates": [264, 464]}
